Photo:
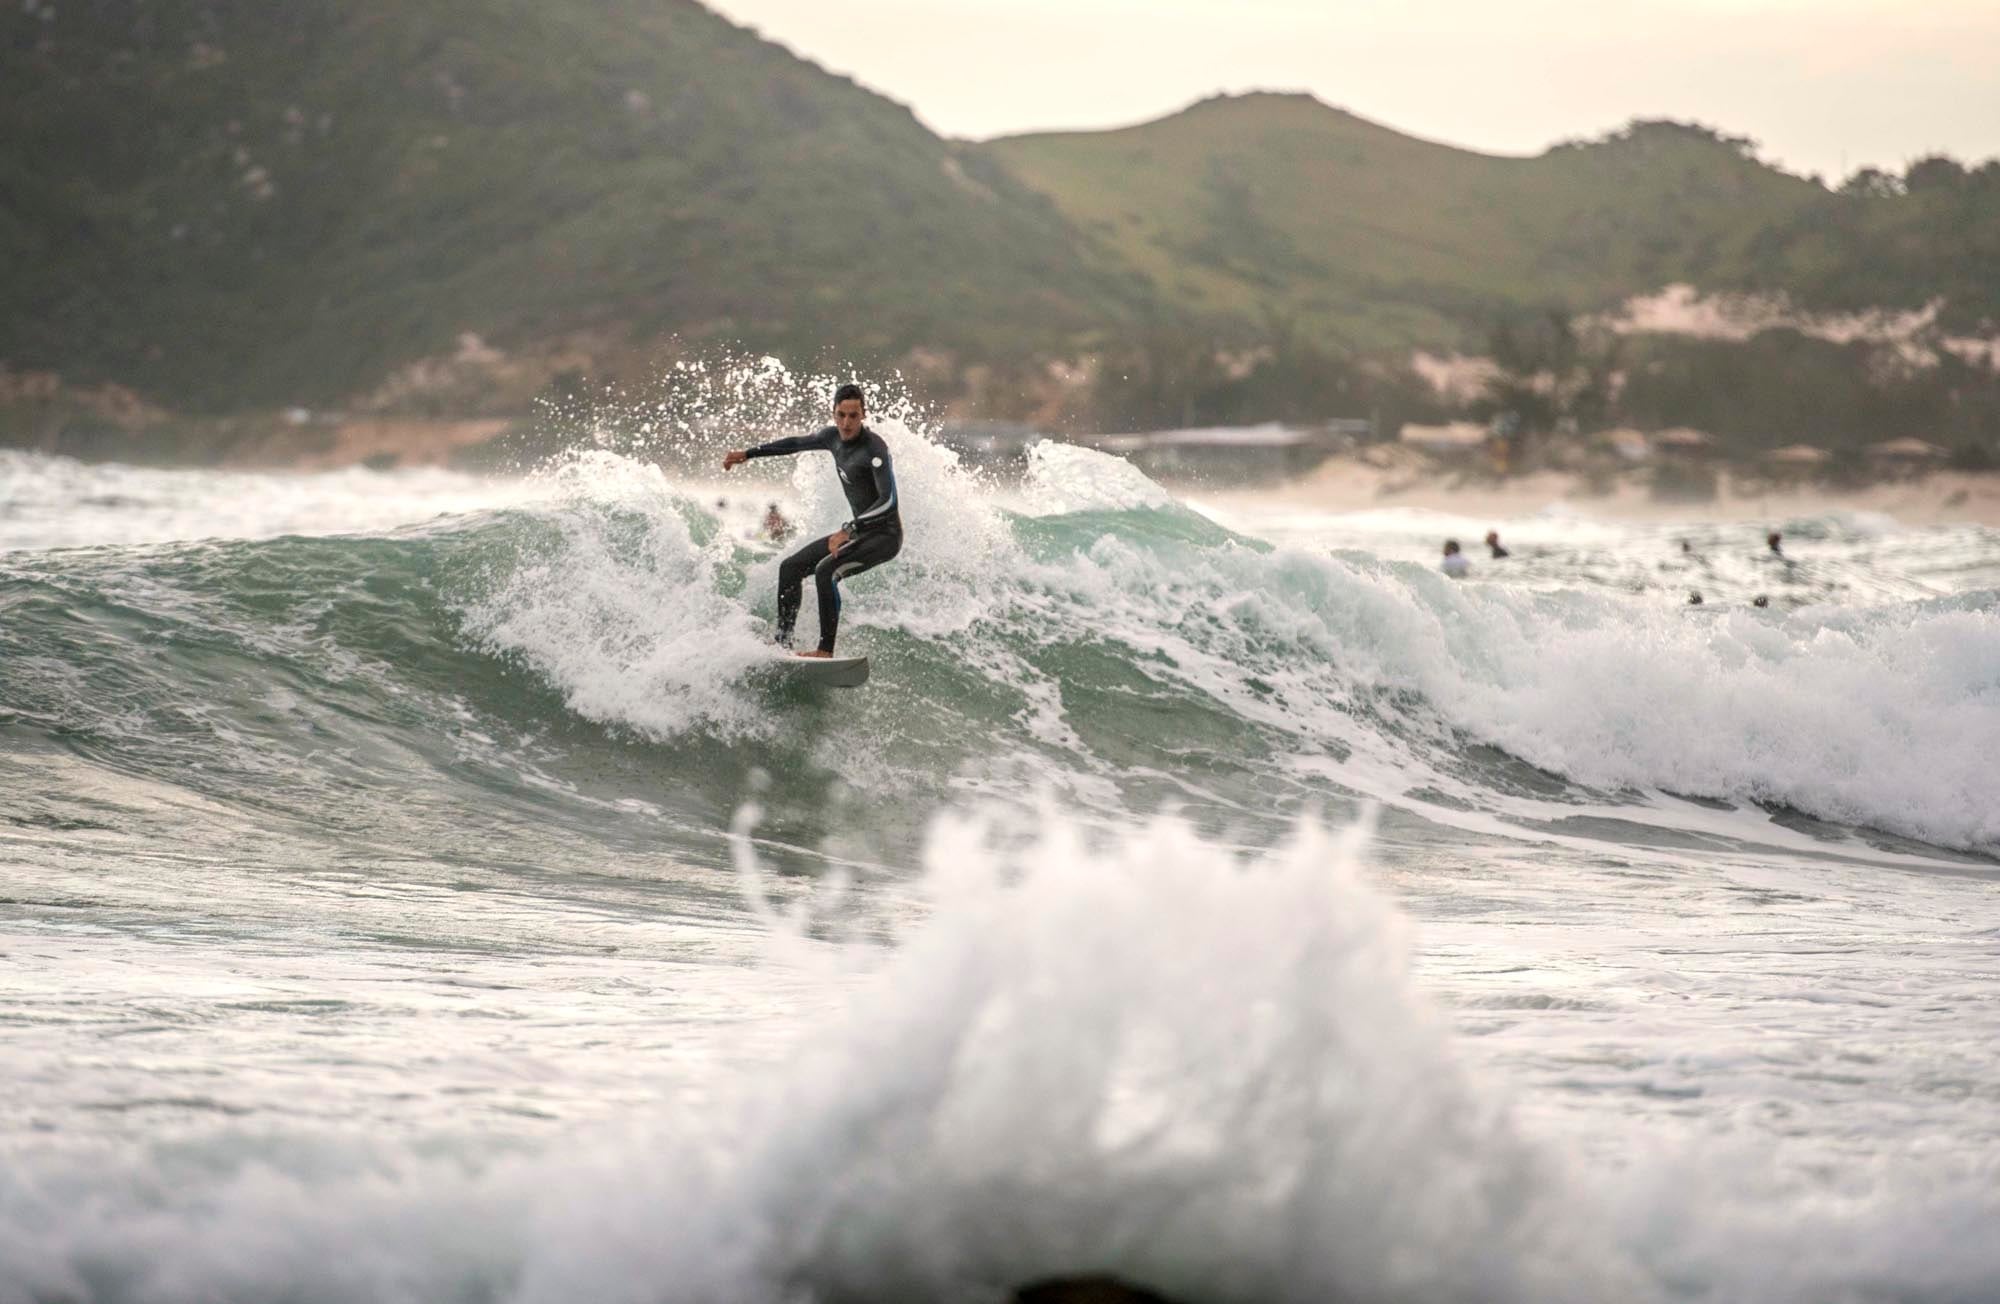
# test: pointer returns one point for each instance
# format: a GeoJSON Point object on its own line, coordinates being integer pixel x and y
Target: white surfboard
{"type": "Point", "coordinates": [831, 672]}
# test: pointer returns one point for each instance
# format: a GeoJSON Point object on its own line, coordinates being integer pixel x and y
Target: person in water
{"type": "Point", "coordinates": [1493, 542]}
{"type": "Point", "coordinates": [776, 528]}
{"type": "Point", "coordinates": [872, 536]}
{"type": "Point", "coordinates": [1774, 542]}
{"type": "Point", "coordinates": [1456, 564]}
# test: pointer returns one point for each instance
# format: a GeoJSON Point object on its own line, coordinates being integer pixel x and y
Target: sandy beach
{"type": "Point", "coordinates": [1377, 477]}
{"type": "Point", "coordinates": [1351, 484]}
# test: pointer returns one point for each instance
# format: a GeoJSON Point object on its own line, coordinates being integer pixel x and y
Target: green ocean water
{"type": "Point", "coordinates": [378, 876]}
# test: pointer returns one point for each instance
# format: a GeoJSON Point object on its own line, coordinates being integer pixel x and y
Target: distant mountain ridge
{"type": "Point", "coordinates": [233, 204]}
{"type": "Point", "coordinates": [1277, 202]}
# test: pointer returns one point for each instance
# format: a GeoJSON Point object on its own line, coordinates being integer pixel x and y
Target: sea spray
{"type": "Point", "coordinates": [352, 954]}
{"type": "Point", "coordinates": [621, 606]}
{"type": "Point", "coordinates": [1609, 693]}
{"type": "Point", "coordinates": [1132, 655]}
{"type": "Point", "coordinates": [1127, 1051]}
{"type": "Point", "coordinates": [1131, 1052]}
{"type": "Point", "coordinates": [1116, 1052]}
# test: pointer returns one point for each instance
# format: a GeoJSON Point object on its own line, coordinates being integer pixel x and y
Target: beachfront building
{"type": "Point", "coordinates": [1904, 458]}
{"type": "Point", "coordinates": [1796, 462]}
{"type": "Point", "coordinates": [1682, 468]}
{"type": "Point", "coordinates": [1453, 439]}
{"type": "Point", "coordinates": [1681, 442]}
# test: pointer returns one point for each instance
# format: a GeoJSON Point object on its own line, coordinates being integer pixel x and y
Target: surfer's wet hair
{"type": "Point", "coordinates": [849, 391]}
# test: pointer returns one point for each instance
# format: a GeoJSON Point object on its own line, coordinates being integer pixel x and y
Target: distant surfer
{"type": "Point", "coordinates": [1775, 542]}
{"type": "Point", "coordinates": [871, 537]}
{"type": "Point", "coordinates": [1493, 542]}
{"type": "Point", "coordinates": [1456, 564]}
{"type": "Point", "coordinates": [776, 528]}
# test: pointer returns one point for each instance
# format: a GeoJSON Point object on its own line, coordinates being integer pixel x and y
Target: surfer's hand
{"type": "Point", "coordinates": [837, 540]}
{"type": "Point", "coordinates": [735, 457]}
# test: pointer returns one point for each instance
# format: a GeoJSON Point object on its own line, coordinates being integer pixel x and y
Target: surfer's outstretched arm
{"type": "Point", "coordinates": [822, 439]}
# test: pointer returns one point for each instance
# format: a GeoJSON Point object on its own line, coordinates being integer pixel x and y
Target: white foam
{"type": "Point", "coordinates": [1126, 1057]}
{"type": "Point", "coordinates": [1145, 1058]}
{"type": "Point", "coordinates": [622, 611]}
{"type": "Point", "coordinates": [1065, 478]}
{"type": "Point", "coordinates": [55, 502]}
{"type": "Point", "coordinates": [955, 540]}
{"type": "Point", "coordinates": [1130, 1052]}
{"type": "Point", "coordinates": [1887, 716]}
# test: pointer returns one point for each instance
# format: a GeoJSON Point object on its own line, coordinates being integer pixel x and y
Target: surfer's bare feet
{"type": "Point", "coordinates": [815, 653]}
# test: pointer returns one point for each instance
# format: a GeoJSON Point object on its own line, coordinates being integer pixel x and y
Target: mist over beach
{"type": "Point", "coordinates": [1412, 724]}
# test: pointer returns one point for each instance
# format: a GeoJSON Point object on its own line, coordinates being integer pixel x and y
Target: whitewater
{"type": "Point", "coordinates": [418, 886]}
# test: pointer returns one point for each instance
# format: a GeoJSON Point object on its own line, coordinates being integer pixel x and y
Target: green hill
{"type": "Point", "coordinates": [1264, 202]}
{"type": "Point", "coordinates": [1931, 236]}
{"type": "Point", "coordinates": [1307, 236]}
{"type": "Point", "coordinates": [231, 203]}
{"type": "Point", "coordinates": [239, 204]}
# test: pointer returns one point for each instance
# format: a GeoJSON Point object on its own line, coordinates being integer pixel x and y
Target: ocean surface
{"type": "Point", "coordinates": [420, 887]}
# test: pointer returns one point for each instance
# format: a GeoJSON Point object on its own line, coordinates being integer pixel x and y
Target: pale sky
{"type": "Point", "coordinates": [1824, 86]}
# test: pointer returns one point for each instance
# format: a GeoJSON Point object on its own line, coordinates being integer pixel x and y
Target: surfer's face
{"type": "Point", "coordinates": [847, 416]}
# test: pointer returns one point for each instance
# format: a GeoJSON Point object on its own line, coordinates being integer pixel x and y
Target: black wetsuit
{"type": "Point", "coordinates": [875, 532]}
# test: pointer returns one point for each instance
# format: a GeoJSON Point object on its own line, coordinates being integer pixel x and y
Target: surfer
{"type": "Point", "coordinates": [1493, 542]}
{"type": "Point", "coordinates": [871, 537]}
{"type": "Point", "coordinates": [1456, 563]}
